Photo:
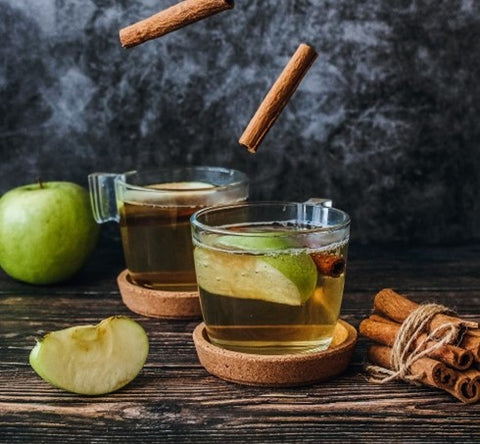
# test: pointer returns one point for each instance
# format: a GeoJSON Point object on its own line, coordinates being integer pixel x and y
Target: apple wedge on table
{"type": "Point", "coordinates": [92, 359]}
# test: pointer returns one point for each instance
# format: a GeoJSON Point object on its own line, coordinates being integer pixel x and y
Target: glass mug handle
{"type": "Point", "coordinates": [320, 201]}
{"type": "Point", "coordinates": [103, 197]}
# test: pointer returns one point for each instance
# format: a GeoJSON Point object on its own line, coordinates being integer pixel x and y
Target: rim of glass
{"type": "Point", "coordinates": [242, 179]}
{"type": "Point", "coordinates": [222, 231]}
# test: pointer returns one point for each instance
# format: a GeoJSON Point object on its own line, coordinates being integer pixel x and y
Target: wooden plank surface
{"type": "Point", "coordinates": [175, 400]}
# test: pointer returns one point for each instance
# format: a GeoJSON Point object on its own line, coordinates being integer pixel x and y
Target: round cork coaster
{"type": "Point", "coordinates": [158, 303]}
{"type": "Point", "coordinates": [277, 370]}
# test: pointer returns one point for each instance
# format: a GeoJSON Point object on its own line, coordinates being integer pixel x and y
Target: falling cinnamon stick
{"type": "Point", "coordinates": [385, 333]}
{"type": "Point", "coordinates": [427, 370]}
{"type": "Point", "coordinates": [329, 264]}
{"type": "Point", "coordinates": [398, 308]}
{"type": "Point", "coordinates": [171, 19]}
{"type": "Point", "coordinates": [277, 97]}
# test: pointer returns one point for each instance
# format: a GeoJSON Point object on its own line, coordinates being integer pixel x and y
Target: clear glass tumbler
{"type": "Point", "coordinates": [271, 274]}
{"type": "Point", "coordinates": [154, 209]}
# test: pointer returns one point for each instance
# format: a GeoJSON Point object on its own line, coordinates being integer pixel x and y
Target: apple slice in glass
{"type": "Point", "coordinates": [92, 359]}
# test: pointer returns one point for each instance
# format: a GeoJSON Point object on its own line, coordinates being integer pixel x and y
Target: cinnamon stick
{"type": "Point", "coordinates": [428, 370]}
{"type": "Point", "coordinates": [277, 97]}
{"type": "Point", "coordinates": [398, 308]}
{"type": "Point", "coordinates": [472, 343]}
{"type": "Point", "coordinates": [474, 332]}
{"type": "Point", "coordinates": [385, 333]}
{"type": "Point", "coordinates": [171, 19]}
{"type": "Point", "coordinates": [467, 388]}
{"type": "Point", "coordinates": [474, 385]}
{"type": "Point", "coordinates": [329, 264]}
{"type": "Point", "coordinates": [378, 318]}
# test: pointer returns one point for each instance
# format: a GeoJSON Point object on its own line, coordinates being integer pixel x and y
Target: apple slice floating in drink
{"type": "Point", "coordinates": [92, 359]}
{"type": "Point", "coordinates": [283, 277]}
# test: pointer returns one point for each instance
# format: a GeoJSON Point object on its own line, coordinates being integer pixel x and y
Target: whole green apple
{"type": "Point", "coordinates": [47, 231]}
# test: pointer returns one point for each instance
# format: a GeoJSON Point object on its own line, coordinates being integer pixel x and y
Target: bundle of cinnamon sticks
{"type": "Point", "coordinates": [453, 366]}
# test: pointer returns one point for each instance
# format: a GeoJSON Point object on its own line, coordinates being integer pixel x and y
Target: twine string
{"type": "Point", "coordinates": [403, 357]}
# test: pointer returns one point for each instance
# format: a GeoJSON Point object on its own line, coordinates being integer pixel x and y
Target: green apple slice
{"type": "Point", "coordinates": [281, 278]}
{"type": "Point", "coordinates": [92, 359]}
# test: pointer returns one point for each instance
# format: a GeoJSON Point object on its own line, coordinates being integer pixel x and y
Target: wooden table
{"type": "Point", "coordinates": [175, 400]}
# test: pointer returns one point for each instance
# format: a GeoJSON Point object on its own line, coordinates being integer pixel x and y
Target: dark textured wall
{"type": "Point", "coordinates": [386, 122]}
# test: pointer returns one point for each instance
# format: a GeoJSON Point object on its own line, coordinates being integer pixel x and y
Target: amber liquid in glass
{"type": "Point", "coordinates": [157, 241]}
{"type": "Point", "coordinates": [254, 324]}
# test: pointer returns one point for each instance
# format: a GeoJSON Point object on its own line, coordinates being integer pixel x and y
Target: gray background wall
{"type": "Point", "coordinates": [386, 122]}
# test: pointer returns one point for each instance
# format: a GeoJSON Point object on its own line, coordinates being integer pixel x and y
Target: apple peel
{"type": "Point", "coordinates": [92, 359]}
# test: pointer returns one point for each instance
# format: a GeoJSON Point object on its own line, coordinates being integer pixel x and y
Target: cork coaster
{"type": "Point", "coordinates": [157, 303]}
{"type": "Point", "coordinates": [277, 370]}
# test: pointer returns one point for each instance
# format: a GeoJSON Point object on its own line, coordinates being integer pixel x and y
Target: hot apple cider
{"type": "Point", "coordinates": [264, 293]}
{"type": "Point", "coordinates": [153, 208]}
{"type": "Point", "coordinates": [157, 239]}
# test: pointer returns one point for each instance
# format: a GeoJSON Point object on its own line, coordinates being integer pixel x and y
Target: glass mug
{"type": "Point", "coordinates": [154, 209]}
{"type": "Point", "coordinates": [271, 275]}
